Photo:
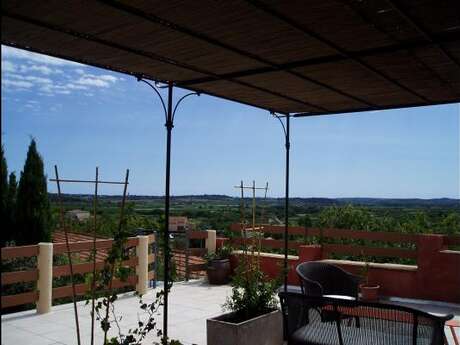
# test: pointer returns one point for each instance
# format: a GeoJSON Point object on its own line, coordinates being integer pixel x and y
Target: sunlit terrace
{"type": "Point", "coordinates": [429, 284]}
{"type": "Point", "coordinates": [192, 303]}
{"type": "Point", "coordinates": [300, 285]}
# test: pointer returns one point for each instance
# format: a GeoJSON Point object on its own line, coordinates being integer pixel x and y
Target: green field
{"type": "Point", "coordinates": [218, 212]}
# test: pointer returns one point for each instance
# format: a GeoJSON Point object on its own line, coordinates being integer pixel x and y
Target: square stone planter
{"type": "Point", "coordinates": [266, 329]}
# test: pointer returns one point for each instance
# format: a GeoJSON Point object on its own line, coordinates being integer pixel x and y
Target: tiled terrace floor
{"type": "Point", "coordinates": [190, 305]}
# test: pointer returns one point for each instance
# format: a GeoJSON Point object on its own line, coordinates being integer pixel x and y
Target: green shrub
{"type": "Point", "coordinates": [253, 294]}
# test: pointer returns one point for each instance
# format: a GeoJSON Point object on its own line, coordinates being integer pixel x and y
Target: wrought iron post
{"type": "Point", "coordinates": [169, 113]}
{"type": "Point", "coordinates": [286, 203]}
{"type": "Point", "coordinates": [287, 145]}
{"type": "Point", "coordinates": [169, 126]}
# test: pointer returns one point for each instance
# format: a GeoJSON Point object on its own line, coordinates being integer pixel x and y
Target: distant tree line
{"type": "Point", "coordinates": [364, 218]}
{"type": "Point", "coordinates": [25, 208]}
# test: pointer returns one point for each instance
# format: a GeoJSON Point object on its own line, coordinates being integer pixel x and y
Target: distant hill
{"type": "Point", "coordinates": [444, 202]}
{"type": "Point", "coordinates": [383, 202]}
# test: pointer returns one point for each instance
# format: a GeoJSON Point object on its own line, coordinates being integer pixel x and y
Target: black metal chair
{"type": "Point", "coordinates": [382, 324]}
{"type": "Point", "coordinates": [320, 278]}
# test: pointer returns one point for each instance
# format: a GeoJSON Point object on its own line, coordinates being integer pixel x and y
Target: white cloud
{"type": "Point", "coordinates": [53, 88]}
{"type": "Point", "coordinates": [96, 80]}
{"type": "Point", "coordinates": [39, 80]}
{"type": "Point", "coordinates": [13, 53]}
{"type": "Point", "coordinates": [93, 82]}
{"type": "Point", "coordinates": [76, 87]}
{"type": "Point", "coordinates": [40, 69]}
{"type": "Point", "coordinates": [32, 79]}
{"type": "Point", "coordinates": [8, 66]}
{"type": "Point", "coordinates": [109, 78]}
{"type": "Point", "coordinates": [62, 89]}
{"type": "Point", "coordinates": [20, 84]}
{"type": "Point", "coordinates": [25, 70]}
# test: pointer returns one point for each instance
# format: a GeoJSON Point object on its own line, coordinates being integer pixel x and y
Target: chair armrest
{"type": "Point", "coordinates": [311, 287]}
{"type": "Point", "coordinates": [356, 279]}
{"type": "Point", "coordinates": [443, 317]}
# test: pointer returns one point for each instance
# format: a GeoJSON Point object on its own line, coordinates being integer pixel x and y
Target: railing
{"type": "Point", "coordinates": [452, 241]}
{"type": "Point", "coordinates": [189, 260]}
{"type": "Point", "coordinates": [423, 266]}
{"type": "Point", "coordinates": [9, 278]}
{"type": "Point", "coordinates": [369, 243]}
{"type": "Point", "coordinates": [45, 270]}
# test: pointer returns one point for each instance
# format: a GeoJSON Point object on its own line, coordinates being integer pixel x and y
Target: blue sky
{"type": "Point", "coordinates": [83, 117]}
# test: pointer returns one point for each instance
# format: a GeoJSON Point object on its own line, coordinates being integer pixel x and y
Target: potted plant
{"type": "Point", "coordinates": [254, 317]}
{"type": "Point", "coordinates": [369, 291]}
{"type": "Point", "coordinates": [218, 266]}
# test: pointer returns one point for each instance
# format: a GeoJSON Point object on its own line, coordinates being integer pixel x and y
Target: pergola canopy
{"type": "Point", "coordinates": [310, 57]}
{"type": "Point", "coordinates": [316, 57]}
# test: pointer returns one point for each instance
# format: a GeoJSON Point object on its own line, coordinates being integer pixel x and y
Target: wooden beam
{"type": "Point", "coordinates": [19, 299]}
{"type": "Point", "coordinates": [18, 252]}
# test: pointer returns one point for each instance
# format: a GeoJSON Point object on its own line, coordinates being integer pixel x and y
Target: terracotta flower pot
{"type": "Point", "coordinates": [218, 271]}
{"type": "Point", "coordinates": [369, 292]}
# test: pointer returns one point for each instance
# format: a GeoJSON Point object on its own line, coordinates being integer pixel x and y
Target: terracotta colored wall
{"type": "Point", "coordinates": [220, 241]}
{"type": "Point", "coordinates": [310, 253]}
{"type": "Point", "coordinates": [437, 276]}
{"type": "Point", "coordinates": [400, 283]}
{"type": "Point", "coordinates": [272, 267]}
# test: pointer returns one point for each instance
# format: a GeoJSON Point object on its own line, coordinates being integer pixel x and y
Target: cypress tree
{"type": "Point", "coordinates": [3, 195]}
{"type": "Point", "coordinates": [32, 205]}
{"type": "Point", "coordinates": [10, 229]}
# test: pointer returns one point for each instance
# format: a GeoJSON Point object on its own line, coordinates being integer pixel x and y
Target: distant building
{"type": "Point", "coordinates": [254, 232]}
{"type": "Point", "coordinates": [78, 215]}
{"type": "Point", "coordinates": [178, 224]}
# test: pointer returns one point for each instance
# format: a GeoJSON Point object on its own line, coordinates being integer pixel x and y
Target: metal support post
{"type": "Point", "coordinates": [287, 145]}
{"type": "Point", "coordinates": [169, 112]}
{"type": "Point", "coordinates": [286, 204]}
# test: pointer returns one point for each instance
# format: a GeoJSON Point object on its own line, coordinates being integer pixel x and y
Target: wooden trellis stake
{"type": "Point", "coordinates": [94, 251]}
{"type": "Point", "coordinates": [242, 187]}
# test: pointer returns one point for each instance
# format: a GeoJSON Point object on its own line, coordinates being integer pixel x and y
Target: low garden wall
{"type": "Point", "coordinates": [41, 290]}
{"type": "Point", "coordinates": [434, 276]}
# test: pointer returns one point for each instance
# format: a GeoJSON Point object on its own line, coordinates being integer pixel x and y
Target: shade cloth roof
{"type": "Point", "coordinates": [316, 56]}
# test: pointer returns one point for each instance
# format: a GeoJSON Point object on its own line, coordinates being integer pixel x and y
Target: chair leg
{"type": "Point", "coordinates": [358, 325]}
{"type": "Point", "coordinates": [452, 330]}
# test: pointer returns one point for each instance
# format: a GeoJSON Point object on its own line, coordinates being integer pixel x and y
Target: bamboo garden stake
{"type": "Point", "coordinates": [112, 269]}
{"type": "Point", "coordinates": [259, 234]}
{"type": "Point", "coordinates": [63, 225]}
{"type": "Point", "coordinates": [69, 254]}
{"type": "Point", "coordinates": [93, 282]}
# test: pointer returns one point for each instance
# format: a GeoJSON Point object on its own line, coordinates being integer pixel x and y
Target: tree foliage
{"type": "Point", "coordinates": [363, 218]}
{"type": "Point", "coordinates": [10, 217]}
{"type": "Point", "coordinates": [3, 197]}
{"type": "Point", "coordinates": [32, 205]}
